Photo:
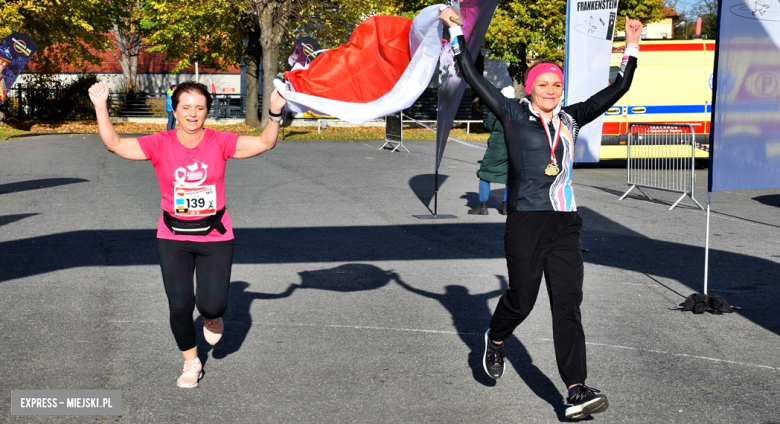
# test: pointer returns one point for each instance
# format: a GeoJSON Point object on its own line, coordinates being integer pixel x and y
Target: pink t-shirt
{"type": "Point", "coordinates": [182, 167]}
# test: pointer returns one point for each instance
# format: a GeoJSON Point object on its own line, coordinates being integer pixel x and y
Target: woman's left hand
{"type": "Point", "coordinates": [633, 30]}
{"type": "Point", "coordinates": [277, 102]}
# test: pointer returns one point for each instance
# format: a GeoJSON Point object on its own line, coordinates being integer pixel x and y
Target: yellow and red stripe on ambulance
{"type": "Point", "coordinates": [672, 85]}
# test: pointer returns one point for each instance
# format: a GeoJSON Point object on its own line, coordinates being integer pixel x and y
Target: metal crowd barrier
{"type": "Point", "coordinates": [662, 157]}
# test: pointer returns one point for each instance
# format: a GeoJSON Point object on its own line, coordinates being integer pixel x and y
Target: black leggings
{"type": "Point", "coordinates": [178, 261]}
{"type": "Point", "coordinates": [546, 242]}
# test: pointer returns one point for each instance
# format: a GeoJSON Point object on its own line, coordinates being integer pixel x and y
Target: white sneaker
{"type": "Point", "coordinates": [212, 330]}
{"type": "Point", "coordinates": [193, 371]}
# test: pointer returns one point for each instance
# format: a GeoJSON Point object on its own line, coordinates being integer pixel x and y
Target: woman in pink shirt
{"type": "Point", "coordinates": [194, 231]}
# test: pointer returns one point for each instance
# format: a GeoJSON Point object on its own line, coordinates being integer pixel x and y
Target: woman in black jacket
{"type": "Point", "coordinates": [543, 228]}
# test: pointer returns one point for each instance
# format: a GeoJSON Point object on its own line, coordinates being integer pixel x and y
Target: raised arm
{"type": "Point", "coordinates": [590, 109]}
{"type": "Point", "coordinates": [249, 146]}
{"type": "Point", "coordinates": [127, 148]}
{"type": "Point", "coordinates": [490, 95]}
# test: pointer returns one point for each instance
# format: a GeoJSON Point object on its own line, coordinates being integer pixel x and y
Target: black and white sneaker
{"type": "Point", "coordinates": [493, 359]}
{"type": "Point", "coordinates": [585, 401]}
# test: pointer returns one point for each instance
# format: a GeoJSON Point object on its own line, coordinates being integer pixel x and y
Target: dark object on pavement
{"type": "Point", "coordinates": [700, 303]}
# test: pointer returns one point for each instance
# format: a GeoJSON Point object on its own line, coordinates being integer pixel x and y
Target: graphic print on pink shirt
{"type": "Point", "coordinates": [193, 172]}
{"type": "Point", "coordinates": [190, 196]}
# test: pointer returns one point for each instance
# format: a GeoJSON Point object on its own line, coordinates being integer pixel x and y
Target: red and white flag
{"type": "Point", "coordinates": [385, 67]}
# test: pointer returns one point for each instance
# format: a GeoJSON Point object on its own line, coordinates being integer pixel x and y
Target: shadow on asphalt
{"type": "Point", "coordinates": [38, 184]}
{"type": "Point", "coordinates": [423, 187]}
{"type": "Point", "coordinates": [343, 278]}
{"type": "Point", "coordinates": [7, 219]}
{"type": "Point", "coordinates": [494, 201]}
{"type": "Point", "coordinates": [769, 200]}
{"type": "Point", "coordinates": [687, 203]}
{"type": "Point", "coordinates": [638, 195]}
{"type": "Point", "coordinates": [470, 317]}
{"type": "Point", "coordinates": [742, 280]}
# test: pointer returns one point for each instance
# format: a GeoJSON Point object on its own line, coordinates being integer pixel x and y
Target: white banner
{"type": "Point", "coordinates": [745, 136]}
{"type": "Point", "coordinates": [590, 27]}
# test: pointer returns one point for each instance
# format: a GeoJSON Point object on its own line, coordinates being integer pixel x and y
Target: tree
{"type": "Point", "coordinates": [71, 31]}
{"type": "Point", "coordinates": [330, 21]}
{"type": "Point", "coordinates": [221, 34]}
{"type": "Point", "coordinates": [127, 41]}
{"type": "Point", "coordinates": [63, 29]}
{"type": "Point", "coordinates": [12, 15]}
{"type": "Point", "coordinates": [214, 32]}
{"type": "Point", "coordinates": [647, 11]}
{"type": "Point", "coordinates": [708, 11]}
{"type": "Point", "coordinates": [272, 19]}
{"type": "Point", "coordinates": [226, 32]}
{"type": "Point", "coordinates": [523, 30]}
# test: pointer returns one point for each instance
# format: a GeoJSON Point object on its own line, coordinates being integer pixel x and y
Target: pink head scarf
{"type": "Point", "coordinates": [539, 70]}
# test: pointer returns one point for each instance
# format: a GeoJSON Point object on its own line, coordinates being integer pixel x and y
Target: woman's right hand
{"type": "Point", "coordinates": [633, 30]}
{"type": "Point", "coordinates": [445, 13]}
{"type": "Point", "coordinates": [98, 94]}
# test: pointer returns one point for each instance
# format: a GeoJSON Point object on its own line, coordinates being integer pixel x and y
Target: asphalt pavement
{"type": "Point", "coordinates": [346, 308]}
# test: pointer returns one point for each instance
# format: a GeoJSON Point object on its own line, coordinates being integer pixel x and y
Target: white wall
{"type": "Point", "coordinates": [159, 83]}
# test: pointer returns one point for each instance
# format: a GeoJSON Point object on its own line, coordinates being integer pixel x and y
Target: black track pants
{"type": "Point", "coordinates": [545, 242]}
{"type": "Point", "coordinates": [179, 260]}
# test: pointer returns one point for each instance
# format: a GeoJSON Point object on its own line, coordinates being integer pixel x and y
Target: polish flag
{"type": "Point", "coordinates": [385, 67]}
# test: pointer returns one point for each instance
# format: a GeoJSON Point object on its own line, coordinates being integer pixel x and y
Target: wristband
{"type": "Point", "coordinates": [277, 120]}
{"type": "Point", "coordinates": [275, 115]}
{"type": "Point", "coordinates": [632, 49]}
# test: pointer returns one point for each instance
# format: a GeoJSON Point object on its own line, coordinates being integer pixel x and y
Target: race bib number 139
{"type": "Point", "coordinates": [195, 201]}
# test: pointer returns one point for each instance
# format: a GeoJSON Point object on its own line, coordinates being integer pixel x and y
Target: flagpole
{"type": "Point", "coordinates": [436, 193]}
{"type": "Point", "coordinates": [707, 244]}
{"type": "Point", "coordinates": [476, 22]}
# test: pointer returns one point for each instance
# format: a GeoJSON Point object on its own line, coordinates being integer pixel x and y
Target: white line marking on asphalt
{"type": "Point", "coordinates": [420, 330]}
{"type": "Point", "coordinates": [362, 327]}
{"type": "Point", "coordinates": [355, 327]}
{"type": "Point", "coordinates": [685, 355]}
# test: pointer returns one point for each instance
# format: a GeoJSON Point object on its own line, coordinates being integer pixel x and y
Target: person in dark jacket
{"type": "Point", "coordinates": [543, 228]}
{"type": "Point", "coordinates": [494, 166]}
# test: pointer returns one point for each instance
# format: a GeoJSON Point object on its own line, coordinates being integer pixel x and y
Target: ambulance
{"type": "Point", "coordinates": [672, 85]}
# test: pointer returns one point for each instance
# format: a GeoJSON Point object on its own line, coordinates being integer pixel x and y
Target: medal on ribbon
{"type": "Point", "coordinates": [551, 170]}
